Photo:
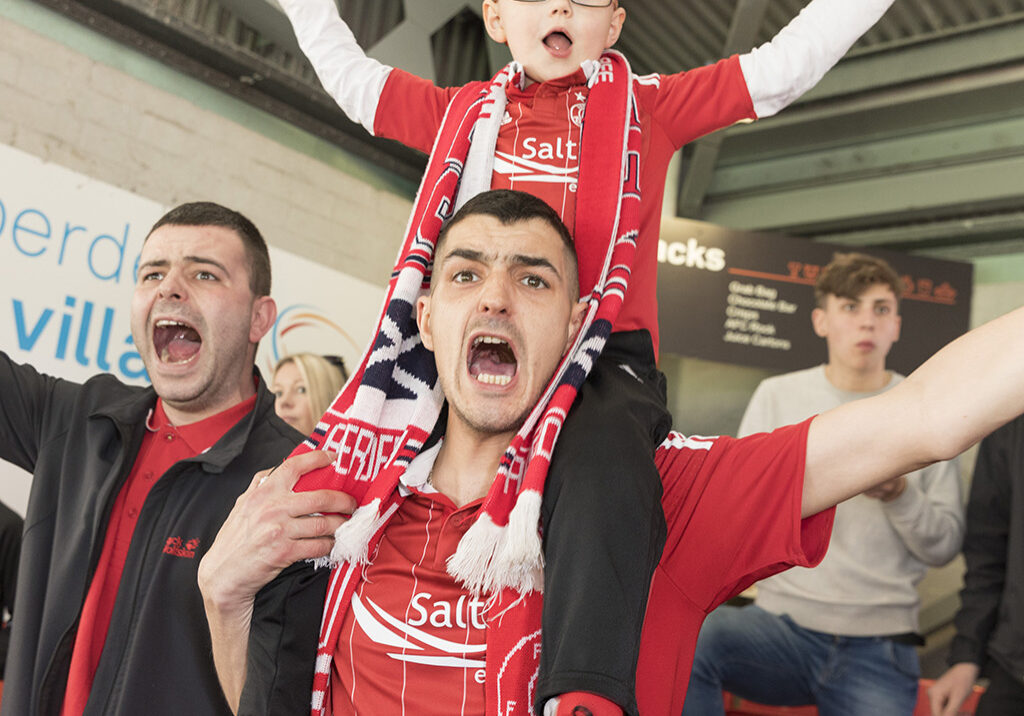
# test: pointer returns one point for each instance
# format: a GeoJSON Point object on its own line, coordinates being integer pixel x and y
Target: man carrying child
{"type": "Point", "coordinates": [565, 90]}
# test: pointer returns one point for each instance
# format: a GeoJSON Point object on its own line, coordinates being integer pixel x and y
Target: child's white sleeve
{"type": "Point", "coordinates": [354, 80]}
{"type": "Point", "coordinates": [795, 60]}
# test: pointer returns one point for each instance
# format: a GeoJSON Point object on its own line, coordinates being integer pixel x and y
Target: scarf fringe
{"type": "Point", "coordinates": [471, 563]}
{"type": "Point", "coordinates": [352, 538]}
{"type": "Point", "coordinates": [395, 396]}
{"type": "Point", "coordinates": [491, 558]}
{"type": "Point", "coordinates": [519, 564]}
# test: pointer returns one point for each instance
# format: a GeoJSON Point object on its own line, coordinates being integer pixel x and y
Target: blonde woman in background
{"type": "Point", "coordinates": [304, 385]}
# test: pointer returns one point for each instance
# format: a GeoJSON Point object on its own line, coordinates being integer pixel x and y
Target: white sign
{"type": "Point", "coordinates": [69, 246]}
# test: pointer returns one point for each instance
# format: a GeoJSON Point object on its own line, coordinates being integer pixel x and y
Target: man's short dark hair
{"type": "Point", "coordinates": [207, 213]}
{"type": "Point", "coordinates": [849, 275]}
{"type": "Point", "coordinates": [512, 207]}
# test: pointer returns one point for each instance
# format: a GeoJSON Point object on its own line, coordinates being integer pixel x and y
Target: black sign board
{"type": "Point", "coordinates": [746, 298]}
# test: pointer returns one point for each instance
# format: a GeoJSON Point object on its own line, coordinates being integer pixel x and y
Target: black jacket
{"type": "Point", "coordinates": [80, 442]}
{"type": "Point", "coordinates": [990, 623]}
{"type": "Point", "coordinates": [11, 527]}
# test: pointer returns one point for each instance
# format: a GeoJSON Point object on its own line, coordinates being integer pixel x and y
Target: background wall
{"type": "Point", "coordinates": [73, 97]}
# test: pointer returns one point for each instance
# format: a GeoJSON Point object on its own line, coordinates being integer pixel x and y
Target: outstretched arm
{"type": "Point", "coordinates": [269, 528]}
{"type": "Point", "coordinates": [354, 80]}
{"type": "Point", "coordinates": [961, 394]}
{"type": "Point", "coordinates": [795, 60]}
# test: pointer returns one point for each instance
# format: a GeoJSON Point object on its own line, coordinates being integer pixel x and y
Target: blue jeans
{"type": "Point", "coordinates": [771, 660]}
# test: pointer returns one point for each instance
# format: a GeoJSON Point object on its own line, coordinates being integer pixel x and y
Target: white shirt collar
{"type": "Point", "coordinates": [590, 69]}
{"type": "Point", "coordinates": [417, 475]}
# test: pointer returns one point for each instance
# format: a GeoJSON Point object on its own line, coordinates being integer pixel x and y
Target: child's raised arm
{"type": "Point", "coordinates": [354, 80]}
{"type": "Point", "coordinates": [795, 60]}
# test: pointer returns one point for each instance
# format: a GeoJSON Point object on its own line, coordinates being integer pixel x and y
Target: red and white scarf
{"type": "Point", "coordinates": [383, 415]}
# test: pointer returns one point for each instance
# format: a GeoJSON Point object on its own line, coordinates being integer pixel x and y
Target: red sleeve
{"type": "Point", "coordinates": [411, 110]}
{"type": "Point", "coordinates": [733, 512]}
{"type": "Point", "coordinates": [690, 104]}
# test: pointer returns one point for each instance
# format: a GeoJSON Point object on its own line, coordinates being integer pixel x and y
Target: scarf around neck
{"type": "Point", "coordinates": [380, 420]}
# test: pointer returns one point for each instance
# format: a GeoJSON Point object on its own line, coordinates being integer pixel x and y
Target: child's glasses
{"type": "Point", "coordinates": [584, 3]}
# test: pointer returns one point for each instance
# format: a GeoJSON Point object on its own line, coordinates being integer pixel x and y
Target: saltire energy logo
{"type": "Point", "coordinates": [414, 645]}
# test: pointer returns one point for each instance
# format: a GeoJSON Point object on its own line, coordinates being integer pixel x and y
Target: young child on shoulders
{"type": "Point", "coordinates": [603, 463]}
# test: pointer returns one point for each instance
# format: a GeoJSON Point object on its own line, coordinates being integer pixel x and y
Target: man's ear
{"type": "Point", "coordinates": [423, 321]}
{"type": "Point", "coordinates": [615, 29]}
{"type": "Point", "coordinates": [819, 322]}
{"type": "Point", "coordinates": [579, 311]}
{"type": "Point", "coordinates": [264, 313]}
{"type": "Point", "coordinates": [899, 326]}
{"type": "Point", "coordinates": [492, 22]}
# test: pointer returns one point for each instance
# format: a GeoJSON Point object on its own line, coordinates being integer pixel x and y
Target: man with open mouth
{"type": "Point", "coordinates": [407, 636]}
{"type": "Point", "coordinates": [131, 484]}
{"type": "Point", "coordinates": [549, 123]}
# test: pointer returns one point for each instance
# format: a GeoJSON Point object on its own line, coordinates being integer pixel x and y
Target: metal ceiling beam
{"type": "Point", "coordinates": [746, 22]}
{"type": "Point", "coordinates": [932, 157]}
{"type": "Point", "coordinates": [994, 231]}
{"type": "Point", "coordinates": [267, 18]}
{"type": "Point", "coordinates": [945, 53]}
{"type": "Point", "coordinates": [949, 102]}
{"type": "Point", "coordinates": [917, 150]}
{"type": "Point", "coordinates": [929, 193]}
{"type": "Point", "coordinates": [980, 74]}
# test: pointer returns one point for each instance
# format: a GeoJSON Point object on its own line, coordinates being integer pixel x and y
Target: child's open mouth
{"type": "Point", "coordinates": [558, 42]}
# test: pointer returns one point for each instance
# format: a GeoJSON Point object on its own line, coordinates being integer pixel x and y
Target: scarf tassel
{"type": "Point", "coordinates": [472, 562]}
{"type": "Point", "coordinates": [490, 557]}
{"type": "Point", "coordinates": [396, 396]}
{"type": "Point", "coordinates": [352, 538]}
{"type": "Point", "coordinates": [520, 563]}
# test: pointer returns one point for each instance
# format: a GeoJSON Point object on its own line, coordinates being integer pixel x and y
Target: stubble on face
{"type": "Point", "coordinates": [507, 285]}
{"type": "Point", "coordinates": [192, 314]}
{"type": "Point", "coordinates": [480, 416]}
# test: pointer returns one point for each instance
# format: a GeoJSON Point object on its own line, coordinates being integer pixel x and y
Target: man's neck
{"type": "Point", "coordinates": [467, 463]}
{"type": "Point", "coordinates": [187, 413]}
{"type": "Point", "coordinates": [853, 381]}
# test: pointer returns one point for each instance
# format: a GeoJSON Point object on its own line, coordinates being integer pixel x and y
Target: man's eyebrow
{"type": "Point", "coordinates": [468, 254]}
{"type": "Point", "coordinates": [154, 263]}
{"type": "Point", "coordinates": [164, 263]}
{"type": "Point", "coordinates": [537, 261]}
{"type": "Point", "coordinates": [514, 259]}
{"type": "Point", "coordinates": [205, 260]}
